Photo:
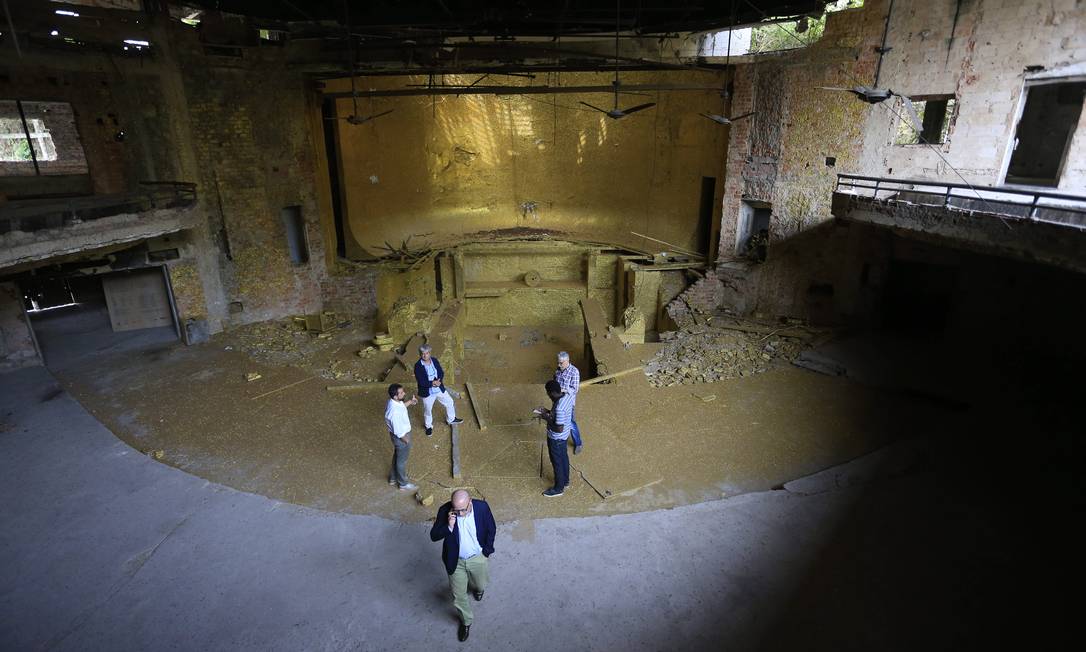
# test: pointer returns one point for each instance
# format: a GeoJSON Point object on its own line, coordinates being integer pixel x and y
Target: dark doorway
{"type": "Point", "coordinates": [1044, 133]}
{"type": "Point", "coordinates": [705, 215]}
{"type": "Point", "coordinates": [328, 113]}
{"type": "Point", "coordinates": [752, 236]}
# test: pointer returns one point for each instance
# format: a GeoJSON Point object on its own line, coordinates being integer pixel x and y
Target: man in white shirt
{"type": "Point", "coordinates": [399, 429]}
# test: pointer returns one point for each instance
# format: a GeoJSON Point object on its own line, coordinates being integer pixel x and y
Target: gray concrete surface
{"type": "Point", "coordinates": [105, 549]}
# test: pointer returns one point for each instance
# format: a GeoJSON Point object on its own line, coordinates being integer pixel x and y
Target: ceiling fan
{"type": "Point", "coordinates": [873, 95]}
{"type": "Point", "coordinates": [616, 113]}
{"type": "Point", "coordinates": [721, 120]}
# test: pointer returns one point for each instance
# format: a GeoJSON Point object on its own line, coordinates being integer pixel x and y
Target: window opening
{"type": "Point", "coordinates": [935, 115]}
{"type": "Point", "coordinates": [1044, 133]}
{"type": "Point", "coordinates": [39, 138]}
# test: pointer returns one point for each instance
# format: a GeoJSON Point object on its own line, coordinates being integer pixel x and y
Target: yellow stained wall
{"type": "Point", "coordinates": [447, 169]}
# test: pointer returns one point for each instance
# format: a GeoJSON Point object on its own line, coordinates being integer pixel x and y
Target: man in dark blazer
{"type": "Point", "coordinates": [431, 380]}
{"type": "Point", "coordinates": [467, 528]}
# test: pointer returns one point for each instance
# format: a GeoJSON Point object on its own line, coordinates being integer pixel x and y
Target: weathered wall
{"type": "Point", "coordinates": [243, 130]}
{"type": "Point", "coordinates": [779, 155]}
{"type": "Point", "coordinates": [984, 67]}
{"type": "Point", "coordinates": [448, 169]}
{"type": "Point", "coordinates": [255, 157]}
{"type": "Point", "coordinates": [16, 341]}
{"type": "Point", "coordinates": [107, 98]}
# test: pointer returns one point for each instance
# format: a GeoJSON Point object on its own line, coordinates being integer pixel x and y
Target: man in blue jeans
{"type": "Point", "coordinates": [569, 379]}
{"type": "Point", "coordinates": [559, 421]}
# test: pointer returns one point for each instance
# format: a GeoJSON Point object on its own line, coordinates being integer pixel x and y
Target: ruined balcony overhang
{"type": "Point", "coordinates": [35, 232]}
{"type": "Point", "coordinates": [1031, 225]}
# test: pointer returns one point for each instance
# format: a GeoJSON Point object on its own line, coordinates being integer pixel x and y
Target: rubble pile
{"type": "Point", "coordinates": [283, 341]}
{"type": "Point", "coordinates": [713, 354]}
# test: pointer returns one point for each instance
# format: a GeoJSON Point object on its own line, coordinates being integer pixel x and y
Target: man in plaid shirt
{"type": "Point", "coordinates": [569, 379]}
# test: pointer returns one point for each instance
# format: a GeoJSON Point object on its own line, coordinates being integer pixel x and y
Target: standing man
{"type": "Point", "coordinates": [559, 419]}
{"type": "Point", "coordinates": [399, 429]}
{"type": "Point", "coordinates": [569, 379]}
{"type": "Point", "coordinates": [467, 527]}
{"type": "Point", "coordinates": [431, 377]}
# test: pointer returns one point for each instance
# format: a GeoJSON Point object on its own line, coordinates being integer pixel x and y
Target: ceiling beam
{"type": "Point", "coordinates": [519, 90]}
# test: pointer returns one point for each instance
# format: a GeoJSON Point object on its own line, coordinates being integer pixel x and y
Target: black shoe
{"type": "Point", "coordinates": [456, 421]}
{"type": "Point", "coordinates": [478, 596]}
{"type": "Point", "coordinates": [429, 432]}
{"type": "Point", "coordinates": [554, 493]}
{"type": "Point", "coordinates": [462, 633]}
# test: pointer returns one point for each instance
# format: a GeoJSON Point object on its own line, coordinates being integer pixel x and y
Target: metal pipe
{"type": "Point", "coordinates": [519, 90]}
{"type": "Point", "coordinates": [14, 36]}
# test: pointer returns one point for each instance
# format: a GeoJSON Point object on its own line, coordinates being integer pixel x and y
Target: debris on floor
{"type": "Point", "coordinates": [712, 353]}
{"type": "Point", "coordinates": [383, 342]}
{"type": "Point", "coordinates": [424, 500]}
{"type": "Point", "coordinates": [252, 375]}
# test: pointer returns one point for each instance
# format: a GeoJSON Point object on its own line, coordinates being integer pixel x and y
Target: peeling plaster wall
{"type": "Point", "coordinates": [984, 68]}
{"type": "Point", "coordinates": [17, 347]}
{"type": "Point", "coordinates": [448, 169]}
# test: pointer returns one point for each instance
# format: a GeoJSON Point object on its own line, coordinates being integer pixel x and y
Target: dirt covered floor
{"type": "Point", "coordinates": [285, 436]}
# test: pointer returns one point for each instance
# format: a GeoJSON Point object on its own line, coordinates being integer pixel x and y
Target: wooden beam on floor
{"type": "Point", "coordinates": [475, 407]}
{"type": "Point", "coordinates": [455, 451]}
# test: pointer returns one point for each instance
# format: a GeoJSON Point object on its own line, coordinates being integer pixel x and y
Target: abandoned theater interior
{"type": "Point", "coordinates": [820, 266]}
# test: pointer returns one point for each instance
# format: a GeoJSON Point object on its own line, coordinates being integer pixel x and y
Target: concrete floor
{"type": "Point", "coordinates": [81, 331]}
{"type": "Point", "coordinates": [104, 548]}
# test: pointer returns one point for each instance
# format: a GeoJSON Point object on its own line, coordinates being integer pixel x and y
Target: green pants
{"type": "Point", "coordinates": [470, 573]}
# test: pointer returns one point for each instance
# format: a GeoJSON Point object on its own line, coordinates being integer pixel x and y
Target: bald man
{"type": "Point", "coordinates": [467, 528]}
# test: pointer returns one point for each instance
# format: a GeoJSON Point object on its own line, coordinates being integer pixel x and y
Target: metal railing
{"type": "Point", "coordinates": [1015, 203]}
{"type": "Point", "coordinates": [37, 214]}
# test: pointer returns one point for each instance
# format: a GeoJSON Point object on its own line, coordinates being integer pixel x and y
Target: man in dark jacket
{"type": "Point", "coordinates": [467, 528]}
{"type": "Point", "coordinates": [431, 379]}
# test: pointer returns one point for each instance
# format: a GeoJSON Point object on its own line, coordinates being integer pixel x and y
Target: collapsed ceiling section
{"type": "Point", "coordinates": [474, 18]}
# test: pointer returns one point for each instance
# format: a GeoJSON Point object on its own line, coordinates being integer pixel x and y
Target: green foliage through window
{"type": "Point", "coordinates": [789, 35]}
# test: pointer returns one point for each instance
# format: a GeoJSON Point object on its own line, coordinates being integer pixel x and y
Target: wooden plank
{"type": "Point", "coordinates": [347, 389]}
{"type": "Point", "coordinates": [458, 275]}
{"type": "Point", "coordinates": [600, 379]}
{"type": "Point", "coordinates": [475, 407]}
{"type": "Point", "coordinates": [455, 452]}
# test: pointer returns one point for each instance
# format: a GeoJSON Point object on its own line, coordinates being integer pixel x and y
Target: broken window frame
{"type": "Point", "coordinates": [1040, 80]}
{"type": "Point", "coordinates": [907, 136]}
